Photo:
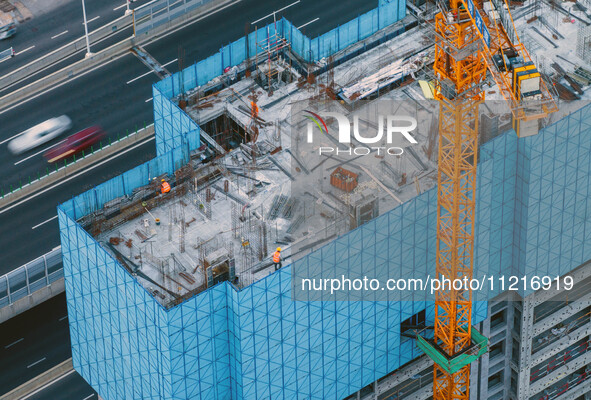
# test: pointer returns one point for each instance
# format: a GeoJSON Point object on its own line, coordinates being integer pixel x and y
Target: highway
{"type": "Point", "coordinates": [52, 28]}
{"type": "Point", "coordinates": [33, 342]}
{"type": "Point", "coordinates": [117, 96]}
{"type": "Point", "coordinates": [35, 223]}
{"type": "Point", "coordinates": [71, 387]}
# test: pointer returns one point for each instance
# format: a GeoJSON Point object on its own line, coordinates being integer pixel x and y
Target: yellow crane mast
{"type": "Point", "coordinates": [470, 40]}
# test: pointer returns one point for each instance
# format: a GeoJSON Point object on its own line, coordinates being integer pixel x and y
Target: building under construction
{"type": "Point", "coordinates": [174, 295]}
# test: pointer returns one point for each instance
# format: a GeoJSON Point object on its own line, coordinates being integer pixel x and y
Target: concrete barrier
{"type": "Point", "coordinates": [65, 51]}
{"type": "Point", "coordinates": [76, 167]}
{"type": "Point", "coordinates": [32, 300]}
{"type": "Point", "coordinates": [37, 382]}
{"type": "Point", "coordinates": [113, 52]}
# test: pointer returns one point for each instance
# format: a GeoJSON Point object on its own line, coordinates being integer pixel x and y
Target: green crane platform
{"type": "Point", "coordinates": [453, 364]}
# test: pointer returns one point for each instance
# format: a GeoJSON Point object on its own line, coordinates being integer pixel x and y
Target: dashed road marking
{"type": "Point", "coordinates": [22, 51]}
{"type": "Point", "coordinates": [308, 23]}
{"type": "Point", "coordinates": [36, 362]}
{"type": "Point", "coordinates": [44, 222]}
{"type": "Point", "coordinates": [59, 34]}
{"type": "Point", "coordinates": [13, 343]}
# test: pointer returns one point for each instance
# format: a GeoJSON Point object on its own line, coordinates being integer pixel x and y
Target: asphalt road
{"type": "Point", "coordinates": [49, 31]}
{"type": "Point", "coordinates": [117, 97]}
{"type": "Point", "coordinates": [41, 333]}
{"type": "Point", "coordinates": [33, 342]}
{"type": "Point", "coordinates": [33, 231]}
{"type": "Point", "coordinates": [70, 387]}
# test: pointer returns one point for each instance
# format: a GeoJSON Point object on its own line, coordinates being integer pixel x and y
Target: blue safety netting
{"type": "Point", "coordinates": [172, 124]}
{"type": "Point", "coordinates": [534, 218]}
{"type": "Point", "coordinates": [124, 184]}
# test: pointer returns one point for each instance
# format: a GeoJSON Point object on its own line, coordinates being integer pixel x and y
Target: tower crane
{"type": "Point", "coordinates": [474, 41]}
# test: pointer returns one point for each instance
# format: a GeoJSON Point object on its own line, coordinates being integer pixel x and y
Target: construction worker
{"type": "Point", "coordinates": [165, 187]}
{"type": "Point", "coordinates": [277, 258]}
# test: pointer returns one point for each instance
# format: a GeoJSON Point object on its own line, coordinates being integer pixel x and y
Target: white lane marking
{"type": "Point", "coordinates": [278, 11]}
{"type": "Point", "coordinates": [149, 72]}
{"type": "Point", "coordinates": [44, 222]}
{"type": "Point", "coordinates": [62, 318]}
{"type": "Point", "coordinates": [22, 51]}
{"type": "Point", "coordinates": [76, 175]}
{"type": "Point", "coordinates": [149, 42]}
{"type": "Point", "coordinates": [39, 152]}
{"type": "Point", "coordinates": [13, 343]}
{"type": "Point", "coordinates": [88, 397]}
{"type": "Point", "coordinates": [92, 19]}
{"type": "Point", "coordinates": [308, 23]}
{"type": "Point", "coordinates": [12, 137]}
{"type": "Point", "coordinates": [121, 6]}
{"type": "Point", "coordinates": [149, 100]}
{"type": "Point", "coordinates": [48, 384]}
{"type": "Point", "coordinates": [36, 362]}
{"type": "Point", "coordinates": [59, 34]}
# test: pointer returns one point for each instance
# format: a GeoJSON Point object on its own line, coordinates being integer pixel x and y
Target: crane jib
{"type": "Point", "coordinates": [479, 22]}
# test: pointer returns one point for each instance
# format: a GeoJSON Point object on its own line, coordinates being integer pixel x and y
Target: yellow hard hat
{"type": "Point", "coordinates": [278, 248]}
{"type": "Point", "coordinates": [162, 180]}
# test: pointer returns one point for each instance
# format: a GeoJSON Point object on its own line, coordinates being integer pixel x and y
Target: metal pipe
{"type": "Point", "coordinates": [88, 53]}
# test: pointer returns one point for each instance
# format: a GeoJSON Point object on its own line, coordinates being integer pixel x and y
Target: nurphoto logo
{"type": "Point", "coordinates": [388, 126]}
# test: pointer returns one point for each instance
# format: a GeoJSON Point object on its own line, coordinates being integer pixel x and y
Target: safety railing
{"type": "Point", "coordinates": [5, 54]}
{"type": "Point", "coordinates": [32, 276]}
{"type": "Point", "coordinates": [159, 12]}
{"type": "Point", "coordinates": [559, 360]}
{"type": "Point", "coordinates": [572, 382]}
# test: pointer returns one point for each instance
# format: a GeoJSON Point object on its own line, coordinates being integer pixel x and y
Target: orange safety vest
{"type": "Point", "coordinates": [165, 187]}
{"type": "Point", "coordinates": [276, 257]}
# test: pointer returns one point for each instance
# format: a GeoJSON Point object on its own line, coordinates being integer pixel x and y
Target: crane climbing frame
{"type": "Point", "coordinates": [469, 43]}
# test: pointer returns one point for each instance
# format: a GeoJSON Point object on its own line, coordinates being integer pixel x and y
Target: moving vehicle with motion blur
{"type": "Point", "coordinates": [7, 31]}
{"type": "Point", "coordinates": [75, 144]}
{"type": "Point", "coordinates": [39, 134]}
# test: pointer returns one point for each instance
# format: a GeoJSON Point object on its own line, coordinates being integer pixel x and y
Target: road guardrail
{"type": "Point", "coordinates": [5, 54]}
{"type": "Point", "coordinates": [109, 54]}
{"type": "Point", "coordinates": [83, 160]}
{"type": "Point", "coordinates": [65, 51]}
{"type": "Point", "coordinates": [158, 12]}
{"type": "Point", "coordinates": [32, 276]}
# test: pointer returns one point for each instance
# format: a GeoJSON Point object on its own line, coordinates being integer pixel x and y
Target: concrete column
{"type": "Point", "coordinates": [527, 322]}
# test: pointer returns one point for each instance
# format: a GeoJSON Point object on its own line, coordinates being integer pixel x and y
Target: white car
{"type": "Point", "coordinates": [7, 31]}
{"type": "Point", "coordinates": [39, 134]}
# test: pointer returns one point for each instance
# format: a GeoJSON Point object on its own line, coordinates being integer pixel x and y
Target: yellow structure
{"type": "Point", "coordinates": [469, 42]}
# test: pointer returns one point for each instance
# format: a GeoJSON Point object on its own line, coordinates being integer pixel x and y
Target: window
{"type": "Point", "coordinates": [517, 321]}
{"type": "Point", "coordinates": [497, 349]}
{"type": "Point", "coordinates": [515, 352]}
{"type": "Point", "coordinates": [412, 324]}
{"type": "Point", "coordinates": [495, 379]}
{"type": "Point", "coordinates": [497, 319]}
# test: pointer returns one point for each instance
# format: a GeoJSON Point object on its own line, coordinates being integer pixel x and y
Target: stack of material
{"type": "Point", "coordinates": [343, 179]}
{"type": "Point", "coordinates": [386, 76]}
